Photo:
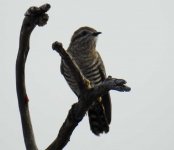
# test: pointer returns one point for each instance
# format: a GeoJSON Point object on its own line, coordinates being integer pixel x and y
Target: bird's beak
{"type": "Point", "coordinates": [96, 33]}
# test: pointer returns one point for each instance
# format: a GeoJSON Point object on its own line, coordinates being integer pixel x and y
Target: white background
{"type": "Point", "coordinates": [137, 45]}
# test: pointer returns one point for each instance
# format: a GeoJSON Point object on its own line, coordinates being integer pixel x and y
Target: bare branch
{"type": "Point", "coordinates": [34, 16]}
{"type": "Point", "coordinates": [87, 97]}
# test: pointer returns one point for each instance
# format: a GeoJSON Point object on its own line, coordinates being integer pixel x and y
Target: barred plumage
{"type": "Point", "coordinates": [82, 50]}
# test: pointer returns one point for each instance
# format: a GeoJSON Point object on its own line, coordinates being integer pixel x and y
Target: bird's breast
{"type": "Point", "coordinates": [90, 68]}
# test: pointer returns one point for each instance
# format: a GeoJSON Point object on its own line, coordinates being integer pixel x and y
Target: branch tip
{"type": "Point", "coordinates": [45, 7]}
{"type": "Point", "coordinates": [57, 46]}
{"type": "Point", "coordinates": [33, 11]}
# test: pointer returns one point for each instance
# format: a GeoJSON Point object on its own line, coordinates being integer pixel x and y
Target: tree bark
{"type": "Point", "coordinates": [34, 16]}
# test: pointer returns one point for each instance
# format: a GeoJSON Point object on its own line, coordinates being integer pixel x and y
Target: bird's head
{"type": "Point", "coordinates": [84, 39]}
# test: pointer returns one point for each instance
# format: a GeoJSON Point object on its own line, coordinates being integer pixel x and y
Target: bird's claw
{"type": "Point", "coordinates": [117, 84]}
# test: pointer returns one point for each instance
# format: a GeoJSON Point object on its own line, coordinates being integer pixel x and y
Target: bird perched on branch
{"type": "Point", "coordinates": [82, 49]}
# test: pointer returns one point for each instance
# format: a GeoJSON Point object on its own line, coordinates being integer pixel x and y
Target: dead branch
{"type": "Point", "coordinates": [34, 16]}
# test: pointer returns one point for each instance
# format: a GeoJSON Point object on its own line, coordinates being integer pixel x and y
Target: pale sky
{"type": "Point", "coordinates": [136, 44]}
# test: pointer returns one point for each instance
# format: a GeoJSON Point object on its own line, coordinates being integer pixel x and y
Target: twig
{"type": "Point", "coordinates": [34, 16]}
{"type": "Point", "coordinates": [88, 95]}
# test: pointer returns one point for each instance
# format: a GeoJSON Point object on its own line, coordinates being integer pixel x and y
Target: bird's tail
{"type": "Point", "coordinates": [97, 118]}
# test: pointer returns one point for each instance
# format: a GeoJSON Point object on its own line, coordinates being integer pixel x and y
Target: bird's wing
{"type": "Point", "coordinates": [65, 71]}
{"type": "Point", "coordinates": [106, 97]}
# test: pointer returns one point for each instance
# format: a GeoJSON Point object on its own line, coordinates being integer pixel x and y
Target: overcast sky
{"type": "Point", "coordinates": [136, 44]}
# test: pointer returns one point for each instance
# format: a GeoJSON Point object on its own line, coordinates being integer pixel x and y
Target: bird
{"type": "Point", "coordinates": [82, 49]}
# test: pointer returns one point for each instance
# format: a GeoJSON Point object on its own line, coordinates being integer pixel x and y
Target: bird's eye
{"type": "Point", "coordinates": [84, 33]}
